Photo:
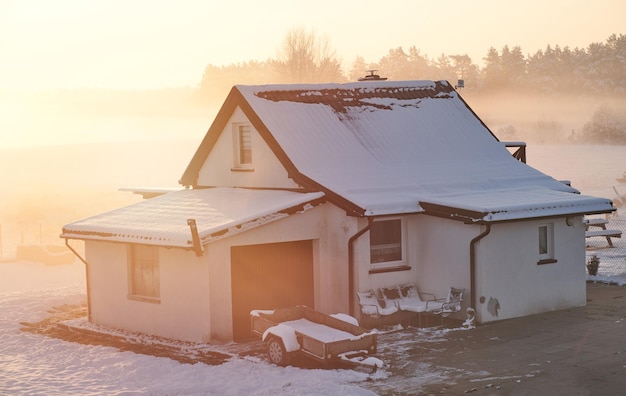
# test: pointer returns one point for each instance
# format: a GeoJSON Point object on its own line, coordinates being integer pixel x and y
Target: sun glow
{"type": "Point", "coordinates": [146, 44]}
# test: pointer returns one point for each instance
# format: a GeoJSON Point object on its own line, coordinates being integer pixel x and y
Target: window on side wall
{"type": "Point", "coordinates": [144, 273]}
{"type": "Point", "coordinates": [387, 244]}
{"type": "Point", "coordinates": [242, 142]}
{"type": "Point", "coordinates": [546, 244]}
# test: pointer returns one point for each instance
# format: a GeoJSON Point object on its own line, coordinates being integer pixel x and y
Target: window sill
{"type": "Point", "coordinates": [242, 169]}
{"type": "Point", "coordinates": [390, 269]}
{"type": "Point", "coordinates": [546, 261]}
{"type": "Point", "coordinates": [152, 300]}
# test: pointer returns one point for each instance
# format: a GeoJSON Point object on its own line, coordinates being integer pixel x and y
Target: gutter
{"type": "Point", "coordinates": [86, 277]}
{"type": "Point", "coordinates": [351, 269]}
{"type": "Point", "coordinates": [473, 264]}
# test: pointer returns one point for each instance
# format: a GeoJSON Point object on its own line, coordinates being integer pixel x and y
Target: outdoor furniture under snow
{"type": "Point", "coordinates": [451, 304]}
{"type": "Point", "coordinates": [408, 299]}
{"type": "Point", "coordinates": [602, 232]}
{"type": "Point", "coordinates": [376, 308]}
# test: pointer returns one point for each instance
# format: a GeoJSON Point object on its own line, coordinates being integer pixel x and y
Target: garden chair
{"type": "Point", "coordinates": [376, 308]}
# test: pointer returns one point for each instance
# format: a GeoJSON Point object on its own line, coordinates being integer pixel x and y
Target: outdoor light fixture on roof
{"type": "Point", "coordinates": [372, 77]}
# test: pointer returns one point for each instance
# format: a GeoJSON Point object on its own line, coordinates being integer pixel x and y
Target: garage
{"type": "Point", "coordinates": [269, 276]}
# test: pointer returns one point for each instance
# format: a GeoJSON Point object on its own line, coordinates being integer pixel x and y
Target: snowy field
{"type": "Point", "coordinates": [34, 364]}
{"type": "Point", "coordinates": [37, 365]}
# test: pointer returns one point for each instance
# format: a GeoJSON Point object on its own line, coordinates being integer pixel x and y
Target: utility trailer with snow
{"type": "Point", "coordinates": [329, 339]}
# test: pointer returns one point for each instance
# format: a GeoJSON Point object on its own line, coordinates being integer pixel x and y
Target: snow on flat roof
{"type": "Point", "coordinates": [505, 205]}
{"type": "Point", "coordinates": [386, 146]}
{"type": "Point", "coordinates": [163, 220]}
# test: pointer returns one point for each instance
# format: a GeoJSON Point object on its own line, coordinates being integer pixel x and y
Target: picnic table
{"type": "Point", "coordinates": [601, 231]}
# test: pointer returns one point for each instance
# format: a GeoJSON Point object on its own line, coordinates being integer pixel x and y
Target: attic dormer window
{"type": "Point", "coordinates": [242, 139]}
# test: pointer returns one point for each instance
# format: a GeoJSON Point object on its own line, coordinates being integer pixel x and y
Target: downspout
{"type": "Point", "coordinates": [473, 264]}
{"type": "Point", "coordinates": [351, 269]}
{"type": "Point", "coordinates": [86, 277]}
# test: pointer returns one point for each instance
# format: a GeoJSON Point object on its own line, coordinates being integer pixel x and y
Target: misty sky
{"type": "Point", "coordinates": [153, 44]}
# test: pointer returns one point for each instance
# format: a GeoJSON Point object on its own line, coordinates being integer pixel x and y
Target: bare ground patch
{"type": "Point", "coordinates": [59, 325]}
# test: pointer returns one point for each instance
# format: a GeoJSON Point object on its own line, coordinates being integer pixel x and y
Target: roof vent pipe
{"type": "Point", "coordinates": [372, 77]}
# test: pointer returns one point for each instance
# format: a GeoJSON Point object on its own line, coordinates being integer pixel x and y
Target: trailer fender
{"type": "Point", "coordinates": [286, 334]}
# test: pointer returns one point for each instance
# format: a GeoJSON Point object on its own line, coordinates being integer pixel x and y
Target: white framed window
{"type": "Point", "coordinates": [242, 144]}
{"type": "Point", "coordinates": [546, 243]}
{"type": "Point", "coordinates": [387, 243]}
{"type": "Point", "coordinates": [144, 273]}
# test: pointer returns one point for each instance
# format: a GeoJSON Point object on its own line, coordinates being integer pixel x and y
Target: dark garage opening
{"type": "Point", "coordinates": [269, 276]}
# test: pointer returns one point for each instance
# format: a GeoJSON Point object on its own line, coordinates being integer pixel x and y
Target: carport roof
{"type": "Point", "coordinates": [218, 212]}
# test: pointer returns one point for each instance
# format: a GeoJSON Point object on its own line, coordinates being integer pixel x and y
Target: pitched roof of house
{"type": "Point", "coordinates": [218, 213]}
{"type": "Point", "coordinates": [377, 148]}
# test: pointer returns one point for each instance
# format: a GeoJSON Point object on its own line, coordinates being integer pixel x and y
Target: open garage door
{"type": "Point", "coordinates": [269, 276]}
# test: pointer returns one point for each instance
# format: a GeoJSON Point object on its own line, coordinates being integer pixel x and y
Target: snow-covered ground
{"type": "Point", "coordinates": [38, 365]}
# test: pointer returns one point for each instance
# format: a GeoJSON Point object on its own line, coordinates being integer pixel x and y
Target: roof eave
{"type": "Point", "coordinates": [190, 176]}
{"type": "Point", "coordinates": [475, 217]}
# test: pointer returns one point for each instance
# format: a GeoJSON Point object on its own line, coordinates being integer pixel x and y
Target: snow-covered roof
{"type": "Point", "coordinates": [378, 148]}
{"type": "Point", "coordinates": [218, 212]}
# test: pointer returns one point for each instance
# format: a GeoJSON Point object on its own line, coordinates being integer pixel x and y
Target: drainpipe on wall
{"type": "Point", "coordinates": [351, 270]}
{"type": "Point", "coordinates": [86, 278]}
{"type": "Point", "coordinates": [473, 264]}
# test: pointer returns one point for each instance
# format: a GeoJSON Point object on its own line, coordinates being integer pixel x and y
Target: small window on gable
{"type": "Point", "coordinates": [242, 139]}
{"type": "Point", "coordinates": [387, 243]}
{"type": "Point", "coordinates": [144, 273]}
{"type": "Point", "coordinates": [546, 244]}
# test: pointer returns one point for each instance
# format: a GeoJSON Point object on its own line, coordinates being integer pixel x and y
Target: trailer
{"type": "Point", "coordinates": [332, 340]}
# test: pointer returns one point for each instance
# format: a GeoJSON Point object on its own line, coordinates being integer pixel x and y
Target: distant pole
{"type": "Point", "coordinates": [0, 241]}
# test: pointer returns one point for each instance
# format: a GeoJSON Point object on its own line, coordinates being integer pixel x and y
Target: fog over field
{"type": "Point", "coordinates": [64, 155]}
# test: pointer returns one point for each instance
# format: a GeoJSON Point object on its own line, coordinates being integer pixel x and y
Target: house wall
{"type": "Point", "coordinates": [437, 254]}
{"type": "Point", "coordinates": [511, 284]}
{"type": "Point", "coordinates": [196, 293]}
{"type": "Point", "coordinates": [183, 312]}
{"type": "Point", "coordinates": [323, 224]}
{"type": "Point", "coordinates": [218, 169]}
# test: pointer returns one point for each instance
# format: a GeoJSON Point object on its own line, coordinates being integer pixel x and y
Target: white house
{"type": "Point", "coordinates": [307, 194]}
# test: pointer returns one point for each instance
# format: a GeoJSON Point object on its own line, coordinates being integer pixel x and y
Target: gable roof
{"type": "Point", "coordinates": [378, 148]}
{"type": "Point", "coordinates": [218, 212]}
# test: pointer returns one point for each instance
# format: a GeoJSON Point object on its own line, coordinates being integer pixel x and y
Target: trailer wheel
{"type": "Point", "coordinates": [276, 352]}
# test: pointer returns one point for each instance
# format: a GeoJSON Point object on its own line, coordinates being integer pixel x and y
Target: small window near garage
{"type": "Point", "coordinates": [387, 244]}
{"type": "Point", "coordinates": [144, 273]}
{"type": "Point", "coordinates": [242, 139]}
{"type": "Point", "coordinates": [546, 244]}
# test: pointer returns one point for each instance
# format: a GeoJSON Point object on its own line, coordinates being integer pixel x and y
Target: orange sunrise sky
{"type": "Point", "coordinates": [145, 44]}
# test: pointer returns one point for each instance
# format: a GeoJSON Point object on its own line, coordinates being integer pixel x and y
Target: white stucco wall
{"type": "Point", "coordinates": [508, 277]}
{"type": "Point", "coordinates": [329, 262]}
{"type": "Point", "coordinates": [217, 170]}
{"type": "Point", "coordinates": [196, 294]}
{"type": "Point", "coordinates": [510, 283]}
{"type": "Point", "coordinates": [183, 311]}
{"type": "Point", "coordinates": [437, 252]}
